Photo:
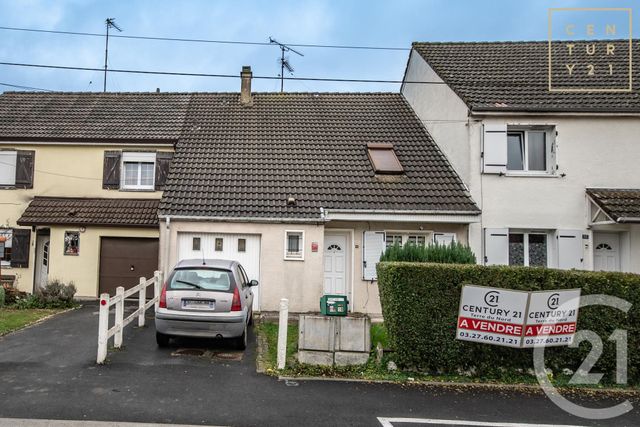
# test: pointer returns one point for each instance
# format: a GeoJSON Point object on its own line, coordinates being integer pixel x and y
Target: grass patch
{"type": "Point", "coordinates": [12, 319]}
{"type": "Point", "coordinates": [373, 371]}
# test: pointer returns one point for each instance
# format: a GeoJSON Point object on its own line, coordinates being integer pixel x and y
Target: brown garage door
{"type": "Point", "coordinates": [124, 259]}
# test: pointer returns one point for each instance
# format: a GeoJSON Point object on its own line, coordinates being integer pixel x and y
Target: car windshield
{"type": "Point", "coordinates": [201, 278]}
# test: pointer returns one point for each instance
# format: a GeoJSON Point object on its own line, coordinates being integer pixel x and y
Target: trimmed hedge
{"type": "Point", "coordinates": [453, 253]}
{"type": "Point", "coordinates": [420, 306]}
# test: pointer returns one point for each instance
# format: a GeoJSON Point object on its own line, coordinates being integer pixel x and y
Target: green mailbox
{"type": "Point", "coordinates": [334, 305]}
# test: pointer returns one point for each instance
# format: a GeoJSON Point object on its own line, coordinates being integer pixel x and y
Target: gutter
{"type": "Point", "coordinates": [628, 219]}
{"type": "Point", "coordinates": [501, 111]}
{"type": "Point", "coordinates": [237, 219]}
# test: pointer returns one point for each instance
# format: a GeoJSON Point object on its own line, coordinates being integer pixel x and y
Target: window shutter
{"type": "Point", "coordinates": [444, 238]}
{"type": "Point", "coordinates": [496, 246]}
{"type": "Point", "coordinates": [494, 149]}
{"type": "Point", "coordinates": [24, 168]}
{"type": "Point", "coordinates": [20, 247]}
{"type": "Point", "coordinates": [570, 249]}
{"type": "Point", "coordinates": [373, 246]}
{"type": "Point", "coordinates": [163, 161]}
{"type": "Point", "coordinates": [111, 169]}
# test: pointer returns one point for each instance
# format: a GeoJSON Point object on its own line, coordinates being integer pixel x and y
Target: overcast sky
{"type": "Point", "coordinates": [371, 22]}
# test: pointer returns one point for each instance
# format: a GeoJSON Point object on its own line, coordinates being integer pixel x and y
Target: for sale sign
{"type": "Point", "coordinates": [492, 316]}
{"type": "Point", "coordinates": [552, 318]}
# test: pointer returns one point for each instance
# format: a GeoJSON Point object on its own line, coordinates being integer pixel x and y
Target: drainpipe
{"type": "Point", "coordinates": [165, 267]}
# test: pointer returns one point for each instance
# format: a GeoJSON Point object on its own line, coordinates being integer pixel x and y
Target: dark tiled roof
{"type": "Point", "coordinates": [514, 76]}
{"type": "Point", "coordinates": [621, 205]}
{"type": "Point", "coordinates": [137, 117]}
{"type": "Point", "coordinates": [81, 211]}
{"type": "Point", "coordinates": [237, 161]}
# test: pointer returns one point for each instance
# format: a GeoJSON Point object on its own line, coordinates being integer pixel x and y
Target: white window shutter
{"type": "Point", "coordinates": [373, 246]}
{"type": "Point", "coordinates": [444, 238]}
{"type": "Point", "coordinates": [8, 161]}
{"type": "Point", "coordinates": [496, 246]}
{"type": "Point", "coordinates": [494, 148]}
{"type": "Point", "coordinates": [570, 249]}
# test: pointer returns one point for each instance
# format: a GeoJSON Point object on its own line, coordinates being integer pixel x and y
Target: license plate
{"type": "Point", "coordinates": [197, 304]}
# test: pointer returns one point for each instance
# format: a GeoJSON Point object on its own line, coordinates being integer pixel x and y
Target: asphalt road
{"type": "Point", "coordinates": [48, 371]}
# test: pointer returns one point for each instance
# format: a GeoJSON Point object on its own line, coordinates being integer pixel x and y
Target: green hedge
{"type": "Point", "coordinates": [453, 253]}
{"type": "Point", "coordinates": [420, 307]}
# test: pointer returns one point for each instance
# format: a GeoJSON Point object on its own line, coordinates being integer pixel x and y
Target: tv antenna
{"type": "Point", "coordinates": [284, 62]}
{"type": "Point", "coordinates": [110, 23]}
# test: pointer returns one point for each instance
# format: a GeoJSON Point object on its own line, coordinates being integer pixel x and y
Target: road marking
{"type": "Point", "coordinates": [388, 422]}
{"type": "Point", "coordinates": [17, 422]}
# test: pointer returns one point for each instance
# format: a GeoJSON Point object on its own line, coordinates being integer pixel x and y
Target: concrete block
{"type": "Point", "coordinates": [323, 358]}
{"type": "Point", "coordinates": [346, 358]}
{"type": "Point", "coordinates": [316, 333]}
{"type": "Point", "coordinates": [354, 334]}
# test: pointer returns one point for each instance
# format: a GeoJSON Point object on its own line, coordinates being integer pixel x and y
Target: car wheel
{"type": "Point", "coordinates": [241, 341]}
{"type": "Point", "coordinates": [162, 339]}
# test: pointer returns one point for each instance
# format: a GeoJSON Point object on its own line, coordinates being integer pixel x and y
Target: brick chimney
{"type": "Point", "coordinates": [245, 86]}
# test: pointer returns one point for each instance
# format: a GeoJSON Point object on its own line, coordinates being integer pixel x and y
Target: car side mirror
{"type": "Point", "coordinates": [253, 283]}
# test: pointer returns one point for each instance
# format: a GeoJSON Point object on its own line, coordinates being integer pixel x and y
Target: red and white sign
{"type": "Point", "coordinates": [552, 318]}
{"type": "Point", "coordinates": [492, 315]}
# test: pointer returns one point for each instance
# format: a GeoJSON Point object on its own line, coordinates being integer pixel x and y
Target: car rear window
{"type": "Point", "coordinates": [201, 278]}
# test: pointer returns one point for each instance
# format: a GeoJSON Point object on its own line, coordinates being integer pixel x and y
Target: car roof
{"type": "Point", "coordinates": [209, 262]}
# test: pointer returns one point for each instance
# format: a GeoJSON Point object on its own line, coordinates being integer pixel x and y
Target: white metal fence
{"type": "Point", "coordinates": [106, 301]}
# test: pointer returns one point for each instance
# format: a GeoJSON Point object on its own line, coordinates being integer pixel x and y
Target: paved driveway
{"type": "Point", "coordinates": [48, 371]}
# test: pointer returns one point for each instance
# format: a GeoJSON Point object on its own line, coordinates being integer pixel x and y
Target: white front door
{"type": "Point", "coordinates": [335, 264]}
{"type": "Point", "coordinates": [42, 260]}
{"type": "Point", "coordinates": [244, 248]}
{"type": "Point", "coordinates": [606, 252]}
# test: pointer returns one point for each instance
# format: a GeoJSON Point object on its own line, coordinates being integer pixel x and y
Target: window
{"type": "Point", "coordinates": [294, 245]}
{"type": "Point", "coordinates": [196, 244]}
{"type": "Point", "coordinates": [138, 170]}
{"type": "Point", "coordinates": [384, 159]}
{"type": "Point", "coordinates": [527, 150]}
{"type": "Point", "coordinates": [393, 239]}
{"type": "Point", "coordinates": [201, 279]}
{"type": "Point", "coordinates": [528, 249]}
{"type": "Point", "coordinates": [242, 245]}
{"type": "Point", "coordinates": [219, 244]}
{"type": "Point", "coordinates": [8, 162]}
{"type": "Point", "coordinates": [244, 280]}
{"type": "Point", "coordinates": [71, 243]}
{"type": "Point", "coordinates": [5, 242]}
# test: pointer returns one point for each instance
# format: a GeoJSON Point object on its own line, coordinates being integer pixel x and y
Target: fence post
{"type": "Point", "coordinates": [142, 299]}
{"type": "Point", "coordinates": [117, 340]}
{"type": "Point", "coordinates": [103, 328]}
{"type": "Point", "coordinates": [282, 333]}
{"type": "Point", "coordinates": [157, 287]}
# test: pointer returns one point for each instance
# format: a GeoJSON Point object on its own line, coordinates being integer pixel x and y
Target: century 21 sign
{"type": "Point", "coordinates": [517, 319]}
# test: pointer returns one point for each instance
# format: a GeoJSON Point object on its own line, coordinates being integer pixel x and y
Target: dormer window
{"type": "Point", "coordinates": [383, 159]}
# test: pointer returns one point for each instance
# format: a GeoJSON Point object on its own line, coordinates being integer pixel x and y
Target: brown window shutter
{"type": "Point", "coordinates": [24, 168]}
{"type": "Point", "coordinates": [163, 161]}
{"type": "Point", "coordinates": [111, 169]}
{"type": "Point", "coordinates": [20, 247]}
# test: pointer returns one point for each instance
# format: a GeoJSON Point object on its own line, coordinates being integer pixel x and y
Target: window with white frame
{"type": "Point", "coordinates": [528, 150]}
{"type": "Point", "coordinates": [528, 248]}
{"type": "Point", "coordinates": [294, 245]}
{"type": "Point", "coordinates": [8, 161]}
{"type": "Point", "coordinates": [397, 238]}
{"type": "Point", "coordinates": [138, 170]}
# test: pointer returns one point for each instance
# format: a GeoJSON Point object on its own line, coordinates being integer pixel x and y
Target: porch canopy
{"type": "Point", "coordinates": [614, 205]}
{"type": "Point", "coordinates": [91, 211]}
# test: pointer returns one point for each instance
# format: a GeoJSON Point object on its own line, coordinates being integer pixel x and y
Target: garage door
{"type": "Point", "coordinates": [244, 248]}
{"type": "Point", "coordinates": [123, 260]}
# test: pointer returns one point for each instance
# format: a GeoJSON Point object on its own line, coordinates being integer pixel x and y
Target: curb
{"type": "Point", "coordinates": [464, 385]}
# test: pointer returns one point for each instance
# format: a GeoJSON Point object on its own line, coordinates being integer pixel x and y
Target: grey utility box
{"type": "Point", "coordinates": [324, 340]}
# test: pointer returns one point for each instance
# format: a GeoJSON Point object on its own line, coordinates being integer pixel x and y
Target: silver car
{"type": "Point", "coordinates": [206, 298]}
